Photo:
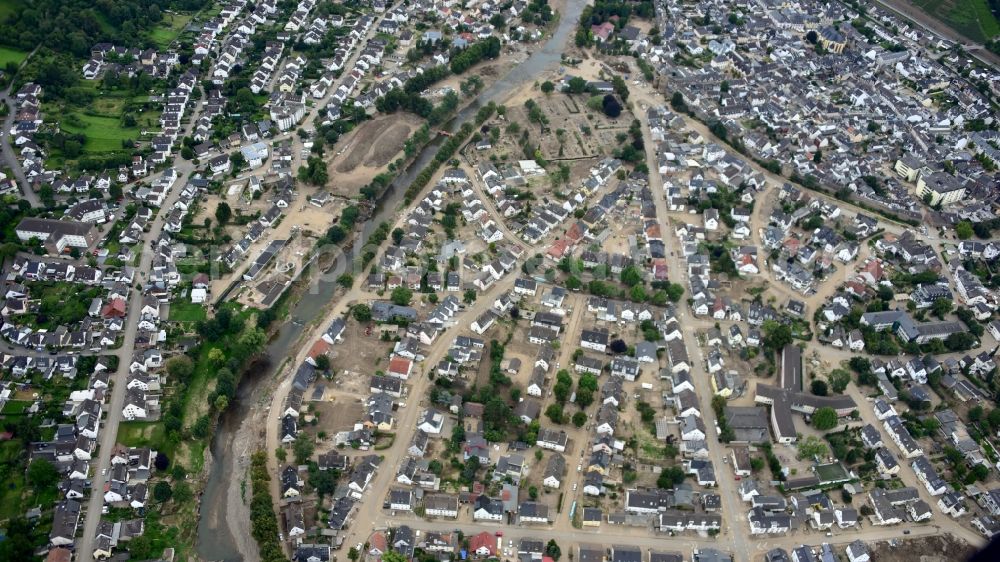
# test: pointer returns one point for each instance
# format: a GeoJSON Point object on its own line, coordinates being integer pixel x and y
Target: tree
{"type": "Point", "coordinates": [776, 335]}
{"type": "Point", "coordinates": [940, 307]}
{"type": "Point", "coordinates": [336, 234]}
{"type": "Point", "coordinates": [303, 448]}
{"type": "Point", "coordinates": [183, 493]}
{"type": "Point", "coordinates": [577, 85]}
{"type": "Point", "coordinates": [393, 556]}
{"type": "Point", "coordinates": [677, 102]}
{"type": "Point", "coordinates": [675, 291]}
{"type": "Point", "coordinates": [611, 107]}
{"type": "Point", "coordinates": [223, 213]}
{"type": "Point", "coordinates": [180, 368]}
{"type": "Point", "coordinates": [280, 454]}
{"type": "Point", "coordinates": [533, 492]}
{"type": "Point", "coordinates": [362, 313]}
{"type": "Point", "coordinates": [618, 346]}
{"type": "Point", "coordinates": [638, 294]}
{"type": "Point", "coordinates": [548, 87]}
{"type": "Point", "coordinates": [552, 550]}
{"type": "Point", "coordinates": [323, 481]}
{"type": "Point", "coordinates": [216, 356]}
{"type": "Point", "coordinates": [162, 491]}
{"type": "Point", "coordinates": [839, 379]}
{"type": "Point", "coordinates": [397, 235]}
{"type": "Point", "coordinates": [579, 418]}
{"type": "Point", "coordinates": [631, 276]}
{"type": "Point", "coordinates": [555, 413]}
{"type": "Point", "coordinates": [401, 296]}
{"type": "Point", "coordinates": [812, 446]}
{"type": "Point", "coordinates": [819, 387]}
{"type": "Point", "coordinates": [42, 474]}
{"type": "Point", "coordinates": [162, 461]}
{"type": "Point", "coordinates": [323, 362]}
{"type": "Point", "coordinates": [964, 230]}
{"type": "Point", "coordinates": [825, 418]}
{"type": "Point", "coordinates": [993, 418]}
{"type": "Point", "coordinates": [669, 477]}
{"type": "Point", "coordinates": [469, 296]}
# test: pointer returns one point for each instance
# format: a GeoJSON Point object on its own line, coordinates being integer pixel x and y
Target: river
{"type": "Point", "coordinates": [215, 542]}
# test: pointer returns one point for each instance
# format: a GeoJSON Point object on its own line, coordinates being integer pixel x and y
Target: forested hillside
{"type": "Point", "coordinates": [74, 26]}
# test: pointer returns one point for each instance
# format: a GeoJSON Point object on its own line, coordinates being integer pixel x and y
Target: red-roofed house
{"type": "Point", "coordinates": [117, 308]}
{"type": "Point", "coordinates": [400, 368]}
{"type": "Point", "coordinates": [484, 544]}
{"type": "Point", "coordinates": [558, 249]}
{"type": "Point", "coordinates": [321, 347]}
{"type": "Point", "coordinates": [659, 269]}
{"type": "Point", "coordinates": [575, 232]}
{"type": "Point", "coordinates": [378, 545]}
{"type": "Point", "coordinates": [856, 288]}
{"type": "Point", "coordinates": [602, 32]}
{"type": "Point", "coordinates": [59, 555]}
{"type": "Point", "coordinates": [872, 272]}
{"type": "Point", "coordinates": [792, 245]}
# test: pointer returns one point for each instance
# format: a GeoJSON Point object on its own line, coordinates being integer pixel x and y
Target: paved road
{"type": "Point", "coordinates": [109, 432]}
{"type": "Point", "coordinates": [644, 538]}
{"type": "Point", "coordinates": [735, 530]}
{"type": "Point", "coordinates": [9, 158]}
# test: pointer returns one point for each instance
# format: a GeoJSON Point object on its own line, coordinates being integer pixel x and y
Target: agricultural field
{"type": "Point", "coordinates": [971, 18]}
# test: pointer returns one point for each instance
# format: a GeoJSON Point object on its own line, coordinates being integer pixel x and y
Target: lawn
{"type": "Point", "coordinates": [168, 30]}
{"type": "Point", "coordinates": [104, 134]}
{"type": "Point", "coordinates": [9, 55]}
{"type": "Point", "coordinates": [971, 18]}
{"type": "Point", "coordinates": [186, 312]}
{"type": "Point", "coordinates": [830, 473]}
{"type": "Point", "coordinates": [16, 407]}
{"type": "Point", "coordinates": [12, 488]}
{"type": "Point", "coordinates": [142, 434]}
{"type": "Point", "coordinates": [11, 492]}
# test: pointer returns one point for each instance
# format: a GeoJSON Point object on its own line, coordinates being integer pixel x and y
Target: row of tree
{"type": "Point", "coordinates": [263, 522]}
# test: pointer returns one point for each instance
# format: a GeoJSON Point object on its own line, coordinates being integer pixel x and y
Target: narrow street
{"type": "Point", "coordinates": [109, 431]}
{"type": "Point", "coordinates": [733, 526]}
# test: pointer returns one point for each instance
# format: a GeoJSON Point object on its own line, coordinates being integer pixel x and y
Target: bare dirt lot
{"type": "Point", "coordinates": [368, 149]}
{"type": "Point", "coordinates": [356, 361]}
{"type": "Point", "coordinates": [942, 548]}
{"type": "Point", "coordinates": [340, 414]}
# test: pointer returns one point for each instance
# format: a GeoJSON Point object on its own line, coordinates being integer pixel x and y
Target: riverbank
{"type": "Point", "coordinates": [312, 310]}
